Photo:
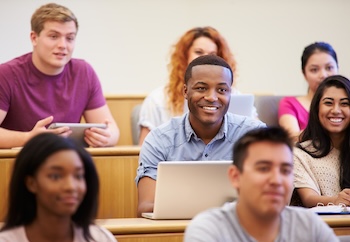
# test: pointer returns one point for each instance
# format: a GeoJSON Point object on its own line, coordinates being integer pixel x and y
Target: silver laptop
{"type": "Point", "coordinates": [242, 104]}
{"type": "Point", "coordinates": [185, 188]}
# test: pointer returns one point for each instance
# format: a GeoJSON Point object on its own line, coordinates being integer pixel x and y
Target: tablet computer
{"type": "Point", "coordinates": [78, 129]}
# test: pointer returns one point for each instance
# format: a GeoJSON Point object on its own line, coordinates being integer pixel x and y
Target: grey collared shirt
{"type": "Point", "coordinates": [177, 141]}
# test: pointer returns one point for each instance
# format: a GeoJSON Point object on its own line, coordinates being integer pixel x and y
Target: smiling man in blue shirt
{"type": "Point", "coordinates": [206, 132]}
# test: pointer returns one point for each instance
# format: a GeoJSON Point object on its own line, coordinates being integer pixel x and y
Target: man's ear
{"type": "Point", "coordinates": [31, 184]}
{"type": "Point", "coordinates": [185, 91]}
{"type": "Point", "coordinates": [234, 175]}
{"type": "Point", "coordinates": [33, 37]}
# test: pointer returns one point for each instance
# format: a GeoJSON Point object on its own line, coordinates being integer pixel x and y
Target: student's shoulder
{"type": "Point", "coordinates": [76, 64]}
{"type": "Point", "coordinates": [288, 101]}
{"type": "Point", "coordinates": [101, 234]}
{"type": "Point", "coordinates": [243, 121]}
{"type": "Point", "coordinates": [175, 123]}
{"type": "Point", "coordinates": [98, 233]}
{"type": "Point", "coordinates": [304, 224]}
{"type": "Point", "coordinates": [170, 130]}
{"type": "Point", "coordinates": [300, 214]}
{"type": "Point", "coordinates": [303, 148]}
{"type": "Point", "coordinates": [207, 218]}
{"type": "Point", "coordinates": [157, 91]}
{"type": "Point", "coordinates": [14, 234]}
{"type": "Point", "coordinates": [213, 224]}
{"type": "Point", "coordinates": [169, 134]}
{"type": "Point", "coordinates": [216, 214]}
{"type": "Point", "coordinates": [17, 62]}
{"type": "Point", "coordinates": [157, 95]}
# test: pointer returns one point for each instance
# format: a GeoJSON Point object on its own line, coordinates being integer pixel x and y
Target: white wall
{"type": "Point", "coordinates": [128, 41]}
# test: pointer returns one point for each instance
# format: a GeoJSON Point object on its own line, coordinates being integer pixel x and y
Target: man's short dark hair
{"type": "Point", "coordinates": [270, 134]}
{"type": "Point", "coordinates": [206, 60]}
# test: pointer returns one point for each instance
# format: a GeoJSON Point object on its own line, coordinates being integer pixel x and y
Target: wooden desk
{"type": "Point", "coordinates": [339, 223]}
{"type": "Point", "coordinates": [145, 230]}
{"type": "Point", "coordinates": [116, 167]}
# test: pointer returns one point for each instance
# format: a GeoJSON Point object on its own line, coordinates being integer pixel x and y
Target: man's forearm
{"type": "Point", "coordinates": [10, 138]}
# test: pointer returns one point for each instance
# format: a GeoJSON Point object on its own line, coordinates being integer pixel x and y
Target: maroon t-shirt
{"type": "Point", "coordinates": [27, 95]}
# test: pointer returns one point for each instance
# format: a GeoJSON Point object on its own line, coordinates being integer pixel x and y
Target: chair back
{"type": "Point", "coordinates": [267, 108]}
{"type": "Point", "coordinates": [135, 128]}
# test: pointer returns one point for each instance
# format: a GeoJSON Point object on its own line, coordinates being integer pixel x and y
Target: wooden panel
{"type": "Point", "coordinates": [342, 231]}
{"type": "Point", "coordinates": [118, 194]}
{"type": "Point", "coordinates": [121, 107]}
{"type": "Point", "coordinates": [127, 226]}
{"type": "Point", "coordinates": [113, 151]}
{"type": "Point", "coordinates": [116, 167]}
{"type": "Point", "coordinates": [5, 174]}
{"type": "Point", "coordinates": [145, 230]}
{"type": "Point", "coordinates": [170, 237]}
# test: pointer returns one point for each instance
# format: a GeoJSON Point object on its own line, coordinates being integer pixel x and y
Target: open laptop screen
{"type": "Point", "coordinates": [242, 104]}
{"type": "Point", "coordinates": [185, 188]}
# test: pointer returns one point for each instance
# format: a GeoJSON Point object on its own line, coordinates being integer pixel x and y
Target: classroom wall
{"type": "Point", "coordinates": [128, 41]}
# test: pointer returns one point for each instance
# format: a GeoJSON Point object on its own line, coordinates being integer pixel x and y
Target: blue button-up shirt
{"type": "Point", "coordinates": [177, 141]}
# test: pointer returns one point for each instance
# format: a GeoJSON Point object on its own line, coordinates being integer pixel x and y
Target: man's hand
{"type": "Point", "coordinates": [40, 127]}
{"type": "Point", "coordinates": [98, 137]}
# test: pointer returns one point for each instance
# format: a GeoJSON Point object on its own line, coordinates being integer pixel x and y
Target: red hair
{"type": "Point", "coordinates": [179, 61]}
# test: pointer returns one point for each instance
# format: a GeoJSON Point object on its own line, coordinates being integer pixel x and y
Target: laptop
{"type": "Point", "coordinates": [185, 188]}
{"type": "Point", "coordinates": [241, 104]}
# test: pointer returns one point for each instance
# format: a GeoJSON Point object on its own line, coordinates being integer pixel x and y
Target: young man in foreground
{"type": "Point", "coordinates": [262, 173]}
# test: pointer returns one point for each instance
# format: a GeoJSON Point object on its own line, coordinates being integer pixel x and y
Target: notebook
{"type": "Point", "coordinates": [185, 188]}
{"type": "Point", "coordinates": [331, 209]}
{"type": "Point", "coordinates": [242, 104]}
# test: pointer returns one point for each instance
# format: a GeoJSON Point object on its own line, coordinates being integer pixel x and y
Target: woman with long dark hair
{"type": "Point", "coordinates": [53, 194]}
{"type": "Point", "coordinates": [322, 157]}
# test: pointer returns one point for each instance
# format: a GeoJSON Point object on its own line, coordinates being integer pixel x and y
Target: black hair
{"type": "Point", "coordinates": [319, 136]}
{"type": "Point", "coordinates": [315, 47]}
{"type": "Point", "coordinates": [206, 60]}
{"type": "Point", "coordinates": [270, 134]}
{"type": "Point", "coordinates": [22, 203]}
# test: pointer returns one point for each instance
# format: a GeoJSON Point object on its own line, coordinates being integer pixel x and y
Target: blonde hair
{"type": "Point", "coordinates": [51, 12]}
{"type": "Point", "coordinates": [179, 61]}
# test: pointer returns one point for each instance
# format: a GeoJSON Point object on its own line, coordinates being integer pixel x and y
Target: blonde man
{"type": "Point", "coordinates": [48, 85]}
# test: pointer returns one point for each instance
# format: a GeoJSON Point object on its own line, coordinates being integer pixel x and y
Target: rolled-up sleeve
{"type": "Point", "coordinates": [152, 152]}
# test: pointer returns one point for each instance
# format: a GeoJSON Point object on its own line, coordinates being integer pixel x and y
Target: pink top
{"type": "Point", "coordinates": [290, 105]}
